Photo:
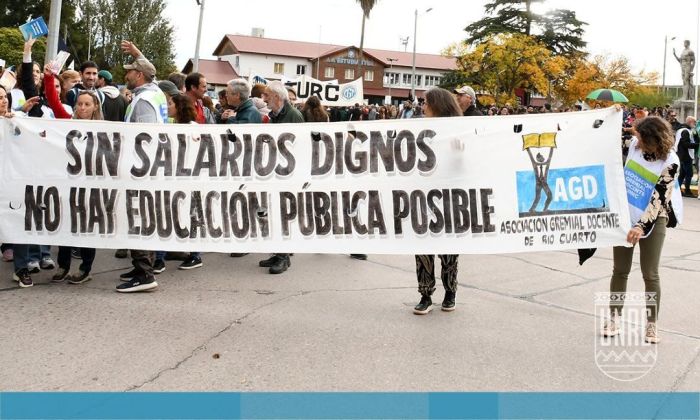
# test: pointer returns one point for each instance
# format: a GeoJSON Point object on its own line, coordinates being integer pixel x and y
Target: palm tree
{"type": "Point", "coordinates": [366, 6]}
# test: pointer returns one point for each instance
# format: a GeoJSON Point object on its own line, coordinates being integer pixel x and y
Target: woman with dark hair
{"type": "Point", "coordinates": [650, 156]}
{"type": "Point", "coordinates": [438, 103]}
{"type": "Point", "coordinates": [313, 111]}
{"type": "Point", "coordinates": [184, 111]}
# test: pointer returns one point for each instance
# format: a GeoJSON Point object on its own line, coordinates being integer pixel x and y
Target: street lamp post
{"type": "Point", "coordinates": [391, 67]}
{"type": "Point", "coordinates": [195, 67]}
{"type": "Point", "coordinates": [413, 72]}
{"type": "Point", "coordinates": [663, 79]}
{"type": "Point", "coordinates": [54, 24]}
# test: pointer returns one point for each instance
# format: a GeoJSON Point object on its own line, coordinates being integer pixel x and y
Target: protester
{"type": "Point", "coordinates": [313, 111]}
{"type": "Point", "coordinates": [196, 89]}
{"type": "Point", "coordinates": [438, 103]}
{"type": "Point", "coordinates": [149, 105]}
{"type": "Point", "coordinates": [180, 111]}
{"type": "Point", "coordinates": [88, 75]}
{"type": "Point", "coordinates": [178, 79]}
{"type": "Point", "coordinates": [687, 147]}
{"type": "Point", "coordinates": [262, 109]}
{"type": "Point", "coordinates": [466, 98]}
{"type": "Point", "coordinates": [69, 79]}
{"type": "Point", "coordinates": [653, 151]}
{"type": "Point", "coordinates": [277, 99]}
{"type": "Point", "coordinates": [238, 97]}
{"type": "Point", "coordinates": [113, 104]}
{"type": "Point", "coordinates": [87, 107]}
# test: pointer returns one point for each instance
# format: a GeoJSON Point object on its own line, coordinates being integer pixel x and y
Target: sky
{"type": "Point", "coordinates": [618, 27]}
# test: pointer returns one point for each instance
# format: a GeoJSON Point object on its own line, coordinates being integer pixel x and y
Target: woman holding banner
{"type": "Point", "coordinates": [650, 173]}
{"type": "Point", "coordinates": [438, 103]}
{"type": "Point", "coordinates": [87, 107]}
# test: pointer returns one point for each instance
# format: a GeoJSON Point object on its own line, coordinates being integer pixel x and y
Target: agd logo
{"type": "Point", "coordinates": [625, 355]}
{"type": "Point", "coordinates": [545, 191]}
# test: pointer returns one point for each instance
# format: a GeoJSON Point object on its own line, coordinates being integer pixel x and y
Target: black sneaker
{"type": "Point", "coordinates": [130, 275]}
{"type": "Point", "coordinates": [269, 262]}
{"type": "Point", "coordinates": [274, 260]}
{"type": "Point", "coordinates": [238, 254]}
{"type": "Point", "coordinates": [424, 306]}
{"type": "Point", "coordinates": [23, 278]}
{"type": "Point", "coordinates": [158, 266]}
{"type": "Point", "coordinates": [121, 253]}
{"type": "Point", "coordinates": [190, 263]}
{"type": "Point", "coordinates": [75, 253]}
{"type": "Point", "coordinates": [137, 284]}
{"type": "Point", "coordinates": [79, 278]}
{"type": "Point", "coordinates": [360, 257]}
{"type": "Point", "coordinates": [281, 265]}
{"type": "Point", "coordinates": [448, 304]}
{"type": "Point", "coordinates": [60, 275]}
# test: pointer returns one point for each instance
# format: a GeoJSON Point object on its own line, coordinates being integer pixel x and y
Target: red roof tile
{"type": "Point", "coordinates": [217, 72]}
{"type": "Point", "coordinates": [310, 50]}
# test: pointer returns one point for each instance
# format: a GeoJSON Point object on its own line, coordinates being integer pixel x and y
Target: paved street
{"type": "Point", "coordinates": [523, 322]}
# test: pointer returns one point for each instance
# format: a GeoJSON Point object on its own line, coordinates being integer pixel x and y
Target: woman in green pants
{"type": "Point", "coordinates": [651, 169]}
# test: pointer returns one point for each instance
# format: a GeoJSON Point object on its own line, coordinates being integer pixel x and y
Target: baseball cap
{"type": "Point", "coordinates": [168, 88]}
{"type": "Point", "coordinates": [466, 90]}
{"type": "Point", "coordinates": [142, 65]}
{"type": "Point", "coordinates": [105, 75]}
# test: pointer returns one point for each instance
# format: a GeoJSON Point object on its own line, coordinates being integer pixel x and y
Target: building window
{"type": "Point", "coordinates": [349, 74]}
{"type": "Point", "coordinates": [432, 80]}
{"type": "Point", "coordinates": [392, 78]}
{"type": "Point", "coordinates": [238, 61]}
{"type": "Point", "coordinates": [301, 69]}
{"type": "Point", "coordinates": [406, 80]}
{"type": "Point", "coordinates": [418, 79]}
{"type": "Point", "coordinates": [329, 72]}
{"type": "Point", "coordinates": [279, 68]}
{"type": "Point", "coordinates": [369, 75]}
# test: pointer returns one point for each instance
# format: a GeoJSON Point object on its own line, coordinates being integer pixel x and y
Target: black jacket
{"type": "Point", "coordinates": [472, 112]}
{"type": "Point", "coordinates": [687, 142]}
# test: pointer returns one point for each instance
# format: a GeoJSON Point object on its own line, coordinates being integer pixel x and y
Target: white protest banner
{"type": "Point", "coordinates": [416, 186]}
{"type": "Point", "coordinates": [256, 79]}
{"type": "Point", "coordinates": [329, 92]}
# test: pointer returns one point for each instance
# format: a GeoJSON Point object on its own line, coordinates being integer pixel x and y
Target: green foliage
{"type": "Point", "coordinates": [111, 21]}
{"type": "Point", "coordinates": [12, 45]}
{"type": "Point", "coordinates": [650, 98]}
{"type": "Point", "coordinates": [558, 30]}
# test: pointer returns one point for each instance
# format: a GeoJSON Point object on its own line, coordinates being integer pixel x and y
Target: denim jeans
{"type": "Point", "coordinates": [37, 252]}
{"type": "Point", "coordinates": [87, 255]}
{"type": "Point", "coordinates": [21, 258]}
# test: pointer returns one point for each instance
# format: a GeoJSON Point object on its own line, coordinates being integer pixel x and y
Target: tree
{"type": "Point", "coordinates": [12, 45]}
{"type": "Point", "coordinates": [367, 6]}
{"type": "Point", "coordinates": [17, 12]}
{"type": "Point", "coordinates": [587, 75]}
{"type": "Point", "coordinates": [108, 22]}
{"type": "Point", "coordinates": [504, 63]}
{"type": "Point", "coordinates": [558, 30]}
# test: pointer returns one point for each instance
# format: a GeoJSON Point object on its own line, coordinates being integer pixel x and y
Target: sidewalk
{"type": "Point", "coordinates": [523, 322]}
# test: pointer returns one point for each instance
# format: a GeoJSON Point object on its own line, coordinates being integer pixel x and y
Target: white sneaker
{"type": "Point", "coordinates": [33, 267]}
{"type": "Point", "coordinates": [651, 335]}
{"type": "Point", "coordinates": [47, 263]}
{"type": "Point", "coordinates": [610, 328]}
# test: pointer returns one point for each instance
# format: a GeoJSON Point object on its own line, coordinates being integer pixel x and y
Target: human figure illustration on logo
{"type": "Point", "coordinates": [540, 165]}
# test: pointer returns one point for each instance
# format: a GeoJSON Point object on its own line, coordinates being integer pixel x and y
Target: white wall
{"type": "Point", "coordinates": [264, 65]}
{"type": "Point", "coordinates": [409, 70]}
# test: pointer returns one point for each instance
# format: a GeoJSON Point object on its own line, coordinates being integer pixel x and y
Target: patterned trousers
{"type": "Point", "coordinates": [425, 270]}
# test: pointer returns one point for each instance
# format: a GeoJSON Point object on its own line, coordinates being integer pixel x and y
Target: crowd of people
{"type": "Point", "coordinates": [90, 93]}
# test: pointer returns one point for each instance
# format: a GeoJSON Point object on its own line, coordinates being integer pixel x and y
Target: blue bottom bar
{"type": "Point", "coordinates": [348, 405]}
